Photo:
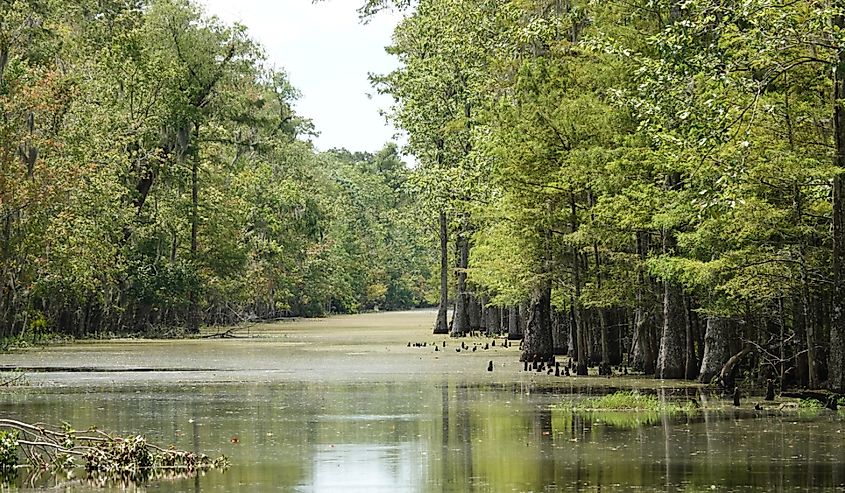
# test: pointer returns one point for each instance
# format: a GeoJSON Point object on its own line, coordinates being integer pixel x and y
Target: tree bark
{"type": "Point", "coordinates": [560, 331]}
{"type": "Point", "coordinates": [514, 330]}
{"type": "Point", "coordinates": [441, 326]}
{"type": "Point", "coordinates": [643, 321]}
{"type": "Point", "coordinates": [605, 339]}
{"type": "Point", "coordinates": [193, 308]}
{"type": "Point", "coordinates": [691, 365]}
{"type": "Point", "coordinates": [579, 323]}
{"type": "Point", "coordinates": [671, 358]}
{"type": "Point", "coordinates": [726, 373]}
{"type": "Point", "coordinates": [836, 361]}
{"type": "Point", "coordinates": [477, 312]}
{"type": "Point", "coordinates": [716, 348]}
{"type": "Point", "coordinates": [491, 320]}
{"type": "Point", "coordinates": [538, 333]}
{"type": "Point", "coordinates": [460, 323]}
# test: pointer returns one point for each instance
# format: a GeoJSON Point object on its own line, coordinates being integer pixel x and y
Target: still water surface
{"type": "Point", "coordinates": [341, 410]}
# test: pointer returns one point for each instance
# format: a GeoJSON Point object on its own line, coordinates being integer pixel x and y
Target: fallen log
{"type": "Point", "coordinates": [827, 398]}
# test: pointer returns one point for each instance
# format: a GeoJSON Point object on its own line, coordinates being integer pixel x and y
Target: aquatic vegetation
{"type": "Point", "coordinates": [625, 419]}
{"type": "Point", "coordinates": [809, 404]}
{"type": "Point", "coordinates": [8, 452]}
{"type": "Point", "coordinates": [633, 401]}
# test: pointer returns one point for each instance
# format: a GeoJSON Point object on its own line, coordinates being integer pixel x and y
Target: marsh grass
{"type": "Point", "coordinates": [625, 419]}
{"type": "Point", "coordinates": [633, 401]}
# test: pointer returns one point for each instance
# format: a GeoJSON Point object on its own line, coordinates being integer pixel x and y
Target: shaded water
{"type": "Point", "coordinates": [361, 416]}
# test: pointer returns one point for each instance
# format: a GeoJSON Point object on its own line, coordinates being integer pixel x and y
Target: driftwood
{"type": "Point", "coordinates": [229, 333]}
{"type": "Point", "coordinates": [103, 456]}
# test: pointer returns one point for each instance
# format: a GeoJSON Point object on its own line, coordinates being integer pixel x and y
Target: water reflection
{"type": "Point", "coordinates": [448, 436]}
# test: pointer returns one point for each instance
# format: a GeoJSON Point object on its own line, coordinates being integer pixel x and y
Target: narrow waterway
{"type": "Point", "coordinates": [342, 404]}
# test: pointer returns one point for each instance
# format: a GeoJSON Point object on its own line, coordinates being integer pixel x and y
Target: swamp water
{"type": "Point", "coordinates": [342, 404]}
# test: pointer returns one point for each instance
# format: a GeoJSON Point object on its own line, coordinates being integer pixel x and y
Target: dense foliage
{"type": "Point", "coordinates": [154, 173]}
{"type": "Point", "coordinates": [657, 183]}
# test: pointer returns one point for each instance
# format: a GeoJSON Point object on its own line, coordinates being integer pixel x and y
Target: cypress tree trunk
{"type": "Point", "coordinates": [491, 319]}
{"type": "Point", "coordinates": [514, 330]}
{"type": "Point", "coordinates": [691, 365]}
{"type": "Point", "coordinates": [836, 380]}
{"type": "Point", "coordinates": [460, 321]}
{"type": "Point", "coordinates": [605, 342]}
{"type": "Point", "coordinates": [643, 322]}
{"type": "Point", "coordinates": [538, 333]}
{"type": "Point", "coordinates": [581, 344]}
{"type": "Point", "coordinates": [615, 331]}
{"type": "Point", "coordinates": [524, 313]}
{"type": "Point", "coordinates": [671, 358]}
{"type": "Point", "coordinates": [809, 331]}
{"type": "Point", "coordinates": [716, 348]}
{"type": "Point", "coordinates": [441, 326]}
{"type": "Point", "coordinates": [799, 329]}
{"type": "Point", "coordinates": [476, 312]}
{"type": "Point", "coordinates": [193, 304]}
{"type": "Point", "coordinates": [560, 331]}
{"type": "Point", "coordinates": [582, 349]}
{"type": "Point", "coordinates": [572, 342]}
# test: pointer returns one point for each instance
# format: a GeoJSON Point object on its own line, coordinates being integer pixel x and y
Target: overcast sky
{"type": "Point", "coordinates": [327, 54]}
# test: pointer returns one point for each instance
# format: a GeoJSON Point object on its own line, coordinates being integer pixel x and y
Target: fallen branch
{"type": "Point", "coordinates": [102, 455]}
{"type": "Point", "coordinates": [12, 381]}
{"type": "Point", "coordinates": [726, 374]}
{"type": "Point", "coordinates": [228, 333]}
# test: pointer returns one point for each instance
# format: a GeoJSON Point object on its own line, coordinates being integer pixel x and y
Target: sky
{"type": "Point", "coordinates": [327, 53]}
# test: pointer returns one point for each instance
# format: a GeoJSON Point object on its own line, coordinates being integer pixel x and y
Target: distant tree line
{"type": "Point", "coordinates": [154, 173]}
{"type": "Point", "coordinates": [653, 183]}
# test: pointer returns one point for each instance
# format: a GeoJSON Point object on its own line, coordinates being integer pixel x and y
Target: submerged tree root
{"type": "Point", "coordinates": [104, 457]}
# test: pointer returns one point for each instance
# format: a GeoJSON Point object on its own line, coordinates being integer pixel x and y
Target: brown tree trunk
{"type": "Point", "coordinates": [441, 326]}
{"type": "Point", "coordinates": [524, 313]}
{"type": "Point", "coordinates": [560, 331]}
{"type": "Point", "coordinates": [582, 349]}
{"type": "Point", "coordinates": [492, 320]}
{"type": "Point", "coordinates": [605, 342]}
{"type": "Point", "coordinates": [836, 361]}
{"type": "Point", "coordinates": [643, 321]}
{"type": "Point", "coordinates": [514, 330]}
{"type": "Point", "coordinates": [671, 358]}
{"type": "Point", "coordinates": [691, 365]}
{"type": "Point", "coordinates": [477, 312]}
{"type": "Point", "coordinates": [726, 373]}
{"type": "Point", "coordinates": [193, 309]}
{"type": "Point", "coordinates": [716, 348]}
{"type": "Point", "coordinates": [538, 333]}
{"type": "Point", "coordinates": [460, 321]}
